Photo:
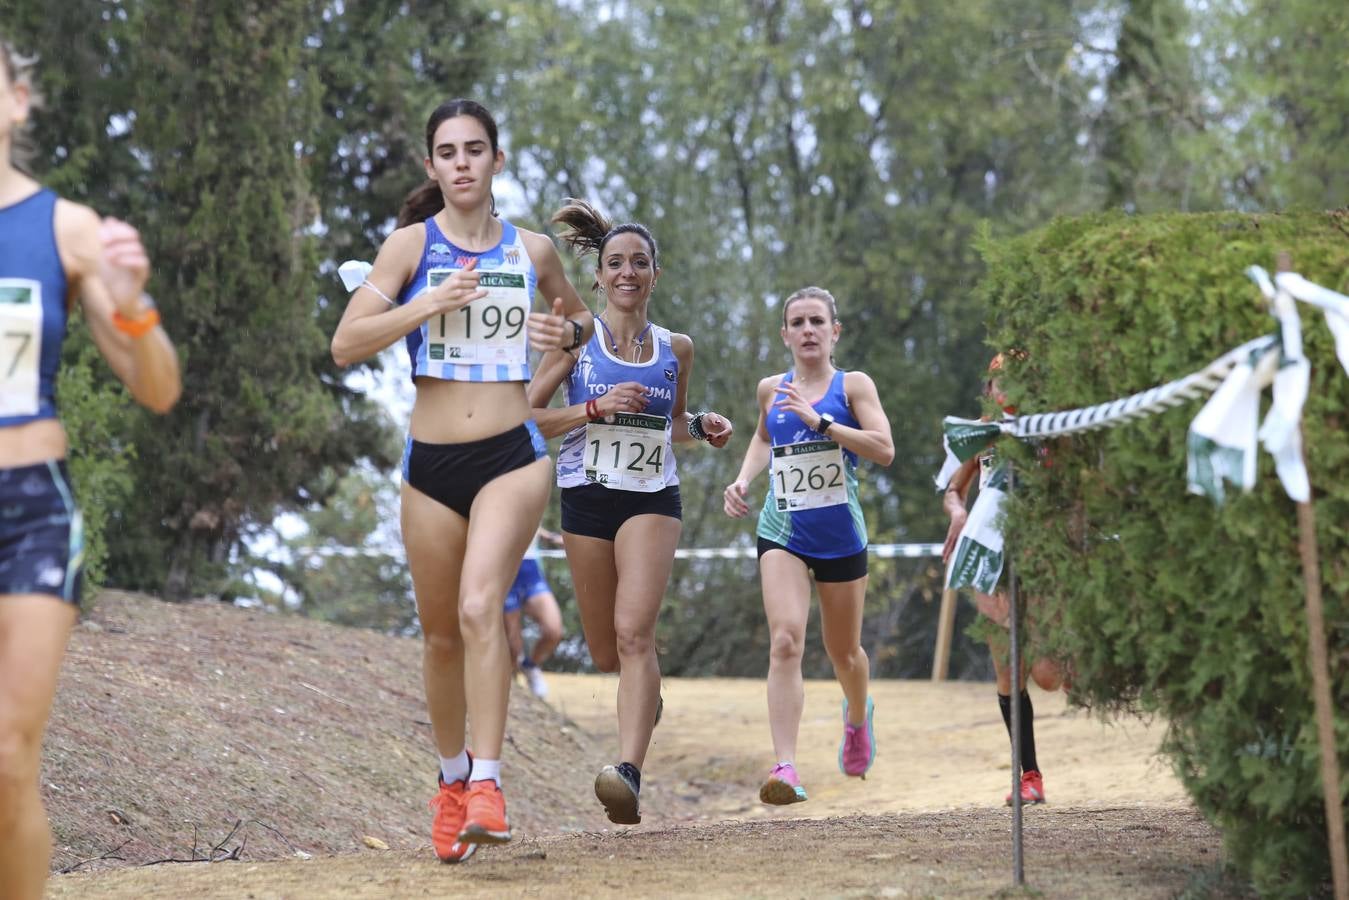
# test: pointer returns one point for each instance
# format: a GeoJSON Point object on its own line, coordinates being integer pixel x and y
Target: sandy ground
{"type": "Point", "coordinates": [927, 821]}
{"type": "Point", "coordinates": [939, 746]}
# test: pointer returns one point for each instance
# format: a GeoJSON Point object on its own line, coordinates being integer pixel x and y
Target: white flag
{"type": "Point", "coordinates": [1222, 437]}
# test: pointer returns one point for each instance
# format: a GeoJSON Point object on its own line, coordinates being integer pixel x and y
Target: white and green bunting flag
{"type": "Point", "coordinates": [977, 560]}
{"type": "Point", "coordinates": [1222, 437]}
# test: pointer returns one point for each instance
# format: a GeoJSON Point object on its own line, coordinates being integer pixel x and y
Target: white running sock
{"type": "Point", "coordinates": [485, 769]}
{"type": "Point", "coordinates": [454, 768]}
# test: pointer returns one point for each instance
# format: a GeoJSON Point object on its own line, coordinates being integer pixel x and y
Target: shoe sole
{"type": "Point", "coordinates": [619, 802]}
{"type": "Point", "coordinates": [477, 834]}
{"type": "Point", "coordinates": [1025, 802]}
{"type": "Point", "coordinates": [456, 860]}
{"type": "Point", "coordinates": [777, 792]}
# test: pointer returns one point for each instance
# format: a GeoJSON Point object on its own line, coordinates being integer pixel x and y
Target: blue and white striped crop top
{"type": "Point", "coordinates": [486, 340]}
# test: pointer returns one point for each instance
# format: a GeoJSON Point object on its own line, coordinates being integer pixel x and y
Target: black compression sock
{"type": "Point", "coordinates": [1028, 761]}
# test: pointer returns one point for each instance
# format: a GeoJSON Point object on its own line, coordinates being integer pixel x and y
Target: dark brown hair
{"type": "Point", "coordinates": [426, 199]}
{"type": "Point", "coordinates": [588, 230]}
{"type": "Point", "coordinates": [812, 293]}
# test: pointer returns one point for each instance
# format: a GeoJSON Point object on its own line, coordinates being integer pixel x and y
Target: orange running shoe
{"type": "Point", "coordinates": [1032, 788]}
{"type": "Point", "coordinates": [448, 805]}
{"type": "Point", "coordinates": [485, 819]}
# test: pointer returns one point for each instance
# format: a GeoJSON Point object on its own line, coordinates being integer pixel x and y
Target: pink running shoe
{"type": "Point", "coordinates": [782, 787]}
{"type": "Point", "coordinates": [1032, 788]}
{"type": "Point", "coordinates": [858, 750]}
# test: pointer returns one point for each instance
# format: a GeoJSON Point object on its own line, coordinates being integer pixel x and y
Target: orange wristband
{"type": "Point", "coordinates": [138, 327]}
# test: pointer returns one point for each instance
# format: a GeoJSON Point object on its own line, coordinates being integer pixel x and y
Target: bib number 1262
{"type": "Point", "coordinates": [808, 475]}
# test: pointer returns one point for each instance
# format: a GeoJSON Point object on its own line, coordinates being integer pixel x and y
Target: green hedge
{"type": "Point", "coordinates": [1156, 598]}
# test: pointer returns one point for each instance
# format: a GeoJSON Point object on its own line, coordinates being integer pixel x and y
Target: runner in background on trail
{"type": "Point", "coordinates": [994, 610]}
{"type": "Point", "coordinates": [457, 284]}
{"type": "Point", "coordinates": [53, 253]}
{"type": "Point", "coordinates": [626, 393]}
{"type": "Point", "coordinates": [815, 421]}
{"type": "Point", "coordinates": [531, 594]}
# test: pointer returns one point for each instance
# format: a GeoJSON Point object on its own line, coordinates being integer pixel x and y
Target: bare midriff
{"type": "Point", "coordinates": [31, 442]}
{"type": "Point", "coordinates": [456, 412]}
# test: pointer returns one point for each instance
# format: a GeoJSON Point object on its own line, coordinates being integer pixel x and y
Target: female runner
{"type": "Point", "coordinates": [621, 513]}
{"type": "Point", "coordinates": [814, 422]}
{"type": "Point", "coordinates": [458, 284]}
{"type": "Point", "coordinates": [994, 611]}
{"type": "Point", "coordinates": [52, 253]}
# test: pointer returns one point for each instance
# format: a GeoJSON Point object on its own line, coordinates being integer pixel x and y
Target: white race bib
{"type": "Point", "coordinates": [808, 475]}
{"type": "Point", "coordinates": [491, 329]}
{"type": "Point", "coordinates": [627, 452]}
{"type": "Point", "coordinates": [20, 346]}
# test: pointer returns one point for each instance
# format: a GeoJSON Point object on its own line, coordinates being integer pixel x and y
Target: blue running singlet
{"type": "Point", "coordinates": [812, 506]}
{"type": "Point", "coordinates": [631, 452]}
{"type": "Point", "coordinates": [485, 340]}
{"type": "Point", "coordinates": [32, 309]}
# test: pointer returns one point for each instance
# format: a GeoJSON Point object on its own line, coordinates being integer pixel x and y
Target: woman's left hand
{"type": "Point", "coordinates": [550, 331]}
{"type": "Point", "coordinates": [718, 429]}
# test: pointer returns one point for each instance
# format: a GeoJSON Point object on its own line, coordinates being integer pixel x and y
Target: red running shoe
{"type": "Point", "coordinates": [448, 805]}
{"type": "Point", "coordinates": [1032, 788]}
{"type": "Point", "coordinates": [485, 819]}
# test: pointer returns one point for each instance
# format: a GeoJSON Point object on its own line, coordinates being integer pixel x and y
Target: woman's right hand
{"type": "Point", "coordinates": [625, 397]}
{"type": "Point", "coordinates": [733, 499]}
{"type": "Point", "coordinates": [455, 292]}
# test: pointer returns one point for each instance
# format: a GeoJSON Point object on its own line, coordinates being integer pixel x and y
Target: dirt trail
{"type": "Point", "coordinates": [928, 821]}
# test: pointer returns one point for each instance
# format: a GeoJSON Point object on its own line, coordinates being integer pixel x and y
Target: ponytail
{"type": "Point", "coordinates": [586, 226]}
{"type": "Point", "coordinates": [422, 203]}
{"type": "Point", "coordinates": [588, 230]}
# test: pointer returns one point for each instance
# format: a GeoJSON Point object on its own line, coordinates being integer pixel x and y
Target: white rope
{"type": "Point", "coordinates": [880, 551]}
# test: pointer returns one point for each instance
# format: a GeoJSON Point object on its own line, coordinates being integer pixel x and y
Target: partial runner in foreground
{"type": "Point", "coordinates": [994, 609]}
{"type": "Point", "coordinates": [458, 284]}
{"type": "Point", "coordinates": [621, 513]}
{"type": "Point", "coordinates": [530, 593]}
{"type": "Point", "coordinates": [814, 423]}
{"type": "Point", "coordinates": [53, 253]}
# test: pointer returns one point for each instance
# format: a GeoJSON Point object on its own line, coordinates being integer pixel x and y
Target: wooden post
{"type": "Point", "coordinates": [946, 623]}
{"type": "Point", "coordinates": [1318, 660]}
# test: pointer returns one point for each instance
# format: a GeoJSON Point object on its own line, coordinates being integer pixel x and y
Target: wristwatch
{"type": "Point", "coordinates": [576, 333]}
{"type": "Point", "coordinates": [825, 421]}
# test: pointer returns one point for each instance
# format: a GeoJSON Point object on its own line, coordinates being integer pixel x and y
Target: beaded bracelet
{"type": "Point", "coordinates": [696, 427]}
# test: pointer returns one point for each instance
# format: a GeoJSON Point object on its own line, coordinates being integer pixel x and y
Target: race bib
{"type": "Point", "coordinates": [491, 329]}
{"type": "Point", "coordinates": [20, 346]}
{"type": "Point", "coordinates": [808, 475]}
{"type": "Point", "coordinates": [627, 453]}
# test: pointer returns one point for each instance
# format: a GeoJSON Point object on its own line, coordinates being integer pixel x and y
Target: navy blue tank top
{"type": "Point", "coordinates": [32, 309]}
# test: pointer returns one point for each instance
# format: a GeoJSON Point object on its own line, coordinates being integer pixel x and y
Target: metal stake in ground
{"type": "Point", "coordinates": [1014, 638]}
{"type": "Point", "coordinates": [1325, 711]}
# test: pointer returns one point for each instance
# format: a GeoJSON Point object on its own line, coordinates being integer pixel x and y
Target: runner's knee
{"type": "Point", "coordinates": [479, 617]}
{"type": "Point", "coordinates": [634, 641]}
{"type": "Point", "coordinates": [786, 645]}
{"type": "Point", "coordinates": [446, 644]}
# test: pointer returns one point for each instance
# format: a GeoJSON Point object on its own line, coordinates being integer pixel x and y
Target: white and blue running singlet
{"type": "Point", "coordinates": [812, 507]}
{"type": "Point", "coordinates": [632, 452]}
{"type": "Point", "coordinates": [32, 309]}
{"type": "Point", "coordinates": [485, 340]}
